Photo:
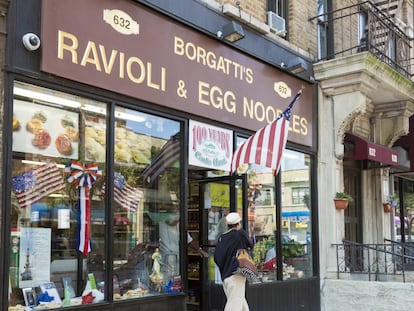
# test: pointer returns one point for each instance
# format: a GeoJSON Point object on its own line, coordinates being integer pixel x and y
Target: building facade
{"type": "Point", "coordinates": [119, 124]}
{"type": "Point", "coordinates": [365, 81]}
{"type": "Point", "coordinates": [120, 121]}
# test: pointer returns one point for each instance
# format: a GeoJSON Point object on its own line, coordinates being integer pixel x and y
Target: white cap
{"type": "Point", "coordinates": [233, 218]}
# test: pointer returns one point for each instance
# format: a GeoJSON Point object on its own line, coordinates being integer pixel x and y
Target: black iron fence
{"type": "Point", "coordinates": [374, 261]}
{"type": "Point", "coordinates": [364, 27]}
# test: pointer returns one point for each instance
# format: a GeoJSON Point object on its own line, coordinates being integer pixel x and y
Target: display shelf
{"type": "Point", "coordinates": [194, 260]}
{"type": "Point", "coordinates": [191, 253]}
{"type": "Point", "coordinates": [193, 303]}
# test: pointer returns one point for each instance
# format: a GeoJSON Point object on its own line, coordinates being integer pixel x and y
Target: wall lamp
{"type": "Point", "coordinates": [231, 32]}
{"type": "Point", "coordinates": [296, 65]}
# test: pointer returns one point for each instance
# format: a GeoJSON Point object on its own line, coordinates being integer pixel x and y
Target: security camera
{"type": "Point", "coordinates": [31, 41]}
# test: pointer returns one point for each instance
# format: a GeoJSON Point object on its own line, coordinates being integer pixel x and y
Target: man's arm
{"type": "Point", "coordinates": [193, 245]}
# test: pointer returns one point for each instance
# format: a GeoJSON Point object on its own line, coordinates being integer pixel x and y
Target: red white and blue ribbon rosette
{"type": "Point", "coordinates": [84, 177]}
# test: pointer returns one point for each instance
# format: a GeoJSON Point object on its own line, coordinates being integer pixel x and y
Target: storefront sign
{"type": "Point", "coordinates": [210, 146]}
{"type": "Point", "coordinates": [127, 48]}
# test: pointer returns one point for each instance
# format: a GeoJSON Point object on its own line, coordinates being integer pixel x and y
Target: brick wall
{"type": "Point", "coordinates": [301, 32]}
{"type": "Point", "coordinates": [256, 8]}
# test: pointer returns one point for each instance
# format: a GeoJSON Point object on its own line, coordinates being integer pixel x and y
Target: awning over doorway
{"type": "Point", "coordinates": [366, 150]}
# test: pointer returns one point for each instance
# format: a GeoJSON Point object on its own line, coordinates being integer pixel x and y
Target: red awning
{"type": "Point", "coordinates": [366, 150]}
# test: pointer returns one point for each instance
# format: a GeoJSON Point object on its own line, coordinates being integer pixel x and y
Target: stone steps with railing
{"type": "Point", "coordinates": [391, 261]}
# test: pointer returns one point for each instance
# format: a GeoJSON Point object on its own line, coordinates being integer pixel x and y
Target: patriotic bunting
{"type": "Point", "coordinates": [265, 147]}
{"type": "Point", "coordinates": [37, 184]}
{"type": "Point", "coordinates": [84, 178]}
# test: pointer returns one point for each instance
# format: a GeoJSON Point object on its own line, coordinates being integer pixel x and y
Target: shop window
{"type": "Point", "coordinates": [147, 211]}
{"type": "Point", "coordinates": [296, 215]}
{"type": "Point", "coordinates": [53, 180]}
{"type": "Point", "coordinates": [295, 222]}
{"type": "Point", "coordinates": [262, 220]}
{"type": "Point", "coordinates": [58, 193]}
{"type": "Point", "coordinates": [296, 257]}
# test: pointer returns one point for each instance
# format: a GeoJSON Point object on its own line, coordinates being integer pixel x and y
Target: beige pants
{"type": "Point", "coordinates": [234, 287]}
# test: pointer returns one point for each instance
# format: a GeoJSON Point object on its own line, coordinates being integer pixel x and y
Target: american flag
{"type": "Point", "coordinates": [125, 195]}
{"type": "Point", "coordinates": [37, 184]}
{"type": "Point", "coordinates": [168, 155]}
{"type": "Point", "coordinates": [265, 147]}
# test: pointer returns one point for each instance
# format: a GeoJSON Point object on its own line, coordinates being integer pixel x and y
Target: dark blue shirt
{"type": "Point", "coordinates": [225, 254]}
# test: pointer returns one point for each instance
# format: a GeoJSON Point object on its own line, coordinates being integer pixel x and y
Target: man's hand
{"type": "Point", "coordinates": [202, 253]}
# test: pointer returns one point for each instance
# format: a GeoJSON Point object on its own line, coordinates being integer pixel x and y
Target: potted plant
{"type": "Point", "coordinates": [293, 254]}
{"type": "Point", "coordinates": [342, 200]}
{"type": "Point", "coordinates": [292, 248]}
{"type": "Point", "coordinates": [390, 203]}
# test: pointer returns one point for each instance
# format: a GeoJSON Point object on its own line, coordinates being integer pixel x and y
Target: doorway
{"type": "Point", "coordinates": [353, 215]}
{"type": "Point", "coordinates": [210, 200]}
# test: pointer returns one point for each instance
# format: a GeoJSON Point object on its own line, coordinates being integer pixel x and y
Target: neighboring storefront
{"type": "Point", "coordinates": [122, 125]}
{"type": "Point", "coordinates": [402, 200]}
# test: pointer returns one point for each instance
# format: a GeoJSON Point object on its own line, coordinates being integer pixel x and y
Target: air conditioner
{"type": "Point", "coordinates": [276, 23]}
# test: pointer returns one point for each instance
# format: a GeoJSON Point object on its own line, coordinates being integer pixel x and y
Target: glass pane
{"type": "Point", "coordinates": [406, 228]}
{"type": "Point", "coordinates": [147, 211]}
{"type": "Point", "coordinates": [49, 134]}
{"type": "Point", "coordinates": [216, 207]}
{"type": "Point", "coordinates": [262, 220]}
{"type": "Point", "coordinates": [296, 215]}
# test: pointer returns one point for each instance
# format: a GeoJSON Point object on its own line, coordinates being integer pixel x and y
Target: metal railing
{"type": "Point", "coordinates": [364, 27]}
{"type": "Point", "coordinates": [374, 260]}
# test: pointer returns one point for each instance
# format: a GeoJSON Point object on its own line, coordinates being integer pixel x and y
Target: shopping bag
{"type": "Point", "coordinates": [246, 265]}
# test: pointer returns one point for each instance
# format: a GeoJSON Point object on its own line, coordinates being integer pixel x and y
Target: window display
{"type": "Point", "coordinates": [296, 215]}
{"type": "Point", "coordinates": [58, 214]}
{"type": "Point", "coordinates": [147, 210]}
{"type": "Point", "coordinates": [262, 220]}
{"type": "Point", "coordinates": [295, 222]}
{"type": "Point", "coordinates": [56, 210]}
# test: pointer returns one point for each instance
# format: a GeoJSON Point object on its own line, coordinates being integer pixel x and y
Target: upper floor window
{"type": "Point", "coordinates": [322, 29]}
{"type": "Point", "coordinates": [277, 16]}
{"type": "Point", "coordinates": [278, 6]}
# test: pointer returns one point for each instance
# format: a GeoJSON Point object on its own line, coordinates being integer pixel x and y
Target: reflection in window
{"type": "Point", "coordinates": [296, 217]}
{"type": "Point", "coordinates": [299, 194]}
{"type": "Point", "coordinates": [147, 211]}
{"type": "Point", "coordinates": [262, 220]}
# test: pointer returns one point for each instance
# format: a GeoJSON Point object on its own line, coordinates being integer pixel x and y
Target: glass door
{"type": "Point", "coordinates": [217, 197]}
